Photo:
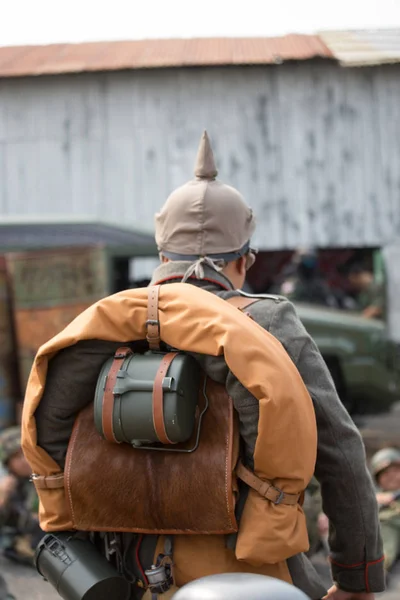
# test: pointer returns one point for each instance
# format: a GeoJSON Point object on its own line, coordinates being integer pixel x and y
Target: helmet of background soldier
{"type": "Point", "coordinates": [383, 459]}
{"type": "Point", "coordinates": [237, 586]}
{"type": "Point", "coordinates": [10, 443]}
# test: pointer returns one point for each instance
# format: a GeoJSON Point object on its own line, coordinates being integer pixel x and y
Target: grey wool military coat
{"type": "Point", "coordinates": [346, 485]}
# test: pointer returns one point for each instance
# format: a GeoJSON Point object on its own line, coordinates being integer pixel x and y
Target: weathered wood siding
{"type": "Point", "coordinates": [314, 148]}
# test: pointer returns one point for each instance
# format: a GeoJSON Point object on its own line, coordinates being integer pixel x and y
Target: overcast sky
{"type": "Point", "coordinates": [48, 21]}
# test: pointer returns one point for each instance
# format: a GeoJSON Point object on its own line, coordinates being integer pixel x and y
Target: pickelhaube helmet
{"type": "Point", "coordinates": [10, 443]}
{"type": "Point", "coordinates": [237, 586]}
{"type": "Point", "coordinates": [383, 459]}
{"type": "Point", "coordinates": [205, 217]}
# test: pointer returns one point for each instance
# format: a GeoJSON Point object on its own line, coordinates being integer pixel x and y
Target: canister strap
{"type": "Point", "coordinates": [265, 488]}
{"type": "Point", "coordinates": [153, 323]}
{"type": "Point", "coordinates": [158, 398]}
{"type": "Point", "coordinates": [48, 482]}
{"type": "Point", "coordinates": [107, 412]}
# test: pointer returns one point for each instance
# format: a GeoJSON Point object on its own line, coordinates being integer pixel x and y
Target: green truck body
{"type": "Point", "coordinates": [362, 359]}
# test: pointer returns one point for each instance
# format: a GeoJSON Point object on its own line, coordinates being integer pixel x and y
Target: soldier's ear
{"type": "Point", "coordinates": [241, 266]}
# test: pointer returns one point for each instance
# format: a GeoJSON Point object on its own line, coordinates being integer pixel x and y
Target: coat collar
{"type": "Point", "coordinates": [174, 271]}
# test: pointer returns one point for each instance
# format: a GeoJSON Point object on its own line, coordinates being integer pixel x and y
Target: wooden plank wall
{"type": "Point", "coordinates": [315, 148]}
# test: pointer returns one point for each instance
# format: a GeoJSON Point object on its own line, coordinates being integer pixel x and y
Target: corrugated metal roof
{"type": "Point", "coordinates": [18, 61]}
{"type": "Point", "coordinates": [35, 235]}
{"type": "Point", "coordinates": [362, 48]}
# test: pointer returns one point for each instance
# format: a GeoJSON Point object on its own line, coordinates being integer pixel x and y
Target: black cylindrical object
{"type": "Point", "coordinates": [76, 569]}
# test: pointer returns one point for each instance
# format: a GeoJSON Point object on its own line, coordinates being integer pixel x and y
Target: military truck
{"type": "Point", "coordinates": [362, 359]}
{"type": "Point", "coordinates": [363, 355]}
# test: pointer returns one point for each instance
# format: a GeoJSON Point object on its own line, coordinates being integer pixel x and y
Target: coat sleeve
{"type": "Point", "coordinates": [347, 490]}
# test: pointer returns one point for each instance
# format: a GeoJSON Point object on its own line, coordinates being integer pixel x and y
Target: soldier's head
{"type": "Point", "coordinates": [207, 222]}
{"type": "Point", "coordinates": [11, 454]}
{"type": "Point", "coordinates": [359, 277]}
{"type": "Point", "coordinates": [385, 467]}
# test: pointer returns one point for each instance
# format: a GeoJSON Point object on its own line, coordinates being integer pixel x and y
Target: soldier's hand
{"type": "Point", "coordinates": [335, 594]}
{"type": "Point", "coordinates": [385, 498]}
{"type": "Point", "coordinates": [323, 524]}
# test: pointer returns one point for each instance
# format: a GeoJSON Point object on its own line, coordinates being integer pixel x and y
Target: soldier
{"type": "Point", "coordinates": [203, 235]}
{"type": "Point", "coordinates": [18, 499]}
{"type": "Point", "coordinates": [303, 283]}
{"type": "Point", "coordinates": [312, 507]}
{"type": "Point", "coordinates": [370, 294]}
{"type": "Point", "coordinates": [385, 466]}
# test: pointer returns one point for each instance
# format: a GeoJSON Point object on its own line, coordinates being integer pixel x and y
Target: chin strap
{"type": "Point", "coordinates": [197, 268]}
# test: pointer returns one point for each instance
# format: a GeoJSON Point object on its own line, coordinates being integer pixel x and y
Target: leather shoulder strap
{"type": "Point", "coordinates": [241, 302]}
{"type": "Point", "coordinates": [153, 323]}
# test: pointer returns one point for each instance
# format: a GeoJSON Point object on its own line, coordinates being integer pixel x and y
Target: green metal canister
{"type": "Point", "coordinates": [133, 398]}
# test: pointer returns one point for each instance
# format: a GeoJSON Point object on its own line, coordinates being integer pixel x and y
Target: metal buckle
{"type": "Point", "coordinates": [153, 322]}
{"type": "Point", "coordinates": [280, 497]}
{"type": "Point", "coordinates": [167, 384]}
{"type": "Point", "coordinates": [122, 354]}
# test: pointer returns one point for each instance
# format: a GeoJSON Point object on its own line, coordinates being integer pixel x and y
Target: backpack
{"type": "Point", "coordinates": [137, 463]}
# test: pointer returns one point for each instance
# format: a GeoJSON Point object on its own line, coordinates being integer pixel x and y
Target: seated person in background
{"type": "Point", "coordinates": [303, 282]}
{"type": "Point", "coordinates": [385, 466]}
{"type": "Point", "coordinates": [20, 531]}
{"type": "Point", "coordinates": [317, 521]}
{"type": "Point", "coordinates": [312, 507]}
{"type": "Point", "coordinates": [370, 295]}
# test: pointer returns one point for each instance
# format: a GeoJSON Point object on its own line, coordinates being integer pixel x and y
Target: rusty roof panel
{"type": "Point", "coordinates": [364, 47]}
{"type": "Point", "coordinates": [18, 61]}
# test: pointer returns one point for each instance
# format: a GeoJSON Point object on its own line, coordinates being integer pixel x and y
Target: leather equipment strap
{"type": "Point", "coordinates": [48, 482]}
{"type": "Point", "coordinates": [242, 302]}
{"type": "Point", "coordinates": [108, 396]}
{"type": "Point", "coordinates": [158, 398]}
{"type": "Point", "coordinates": [152, 323]}
{"type": "Point", "coordinates": [265, 488]}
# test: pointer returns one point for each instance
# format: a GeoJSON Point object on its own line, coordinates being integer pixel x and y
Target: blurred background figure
{"type": "Point", "coordinates": [4, 593]}
{"type": "Point", "coordinates": [303, 282]}
{"type": "Point", "coordinates": [20, 531]}
{"type": "Point", "coordinates": [385, 467]}
{"type": "Point", "coordinates": [370, 294]}
{"type": "Point", "coordinates": [312, 507]}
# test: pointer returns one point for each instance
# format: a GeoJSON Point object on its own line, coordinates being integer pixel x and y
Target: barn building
{"type": "Point", "coordinates": [307, 127]}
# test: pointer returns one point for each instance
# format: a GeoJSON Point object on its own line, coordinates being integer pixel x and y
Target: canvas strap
{"type": "Point", "coordinates": [265, 488]}
{"type": "Point", "coordinates": [153, 323]}
{"type": "Point", "coordinates": [108, 396]}
{"type": "Point", "coordinates": [158, 398]}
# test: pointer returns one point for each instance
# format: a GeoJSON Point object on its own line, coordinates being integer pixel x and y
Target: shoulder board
{"type": "Point", "coordinates": [273, 297]}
